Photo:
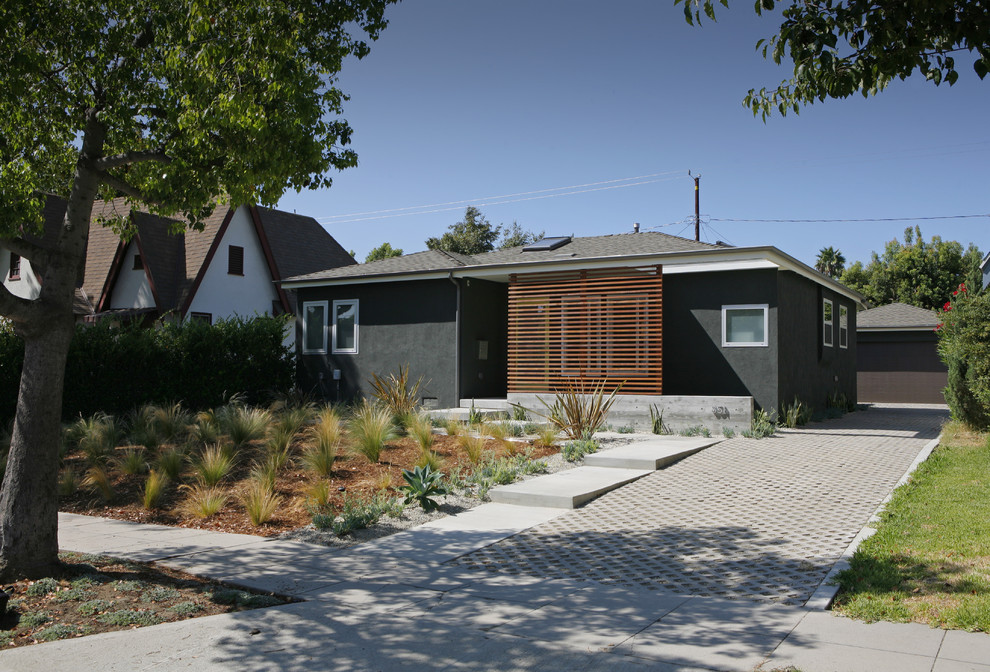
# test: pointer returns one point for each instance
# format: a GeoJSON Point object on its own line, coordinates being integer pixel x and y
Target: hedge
{"type": "Point", "coordinates": [114, 369]}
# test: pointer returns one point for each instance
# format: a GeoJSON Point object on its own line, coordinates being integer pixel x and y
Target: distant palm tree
{"type": "Point", "coordinates": [830, 262]}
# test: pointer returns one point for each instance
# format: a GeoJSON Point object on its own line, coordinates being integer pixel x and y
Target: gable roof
{"type": "Point", "coordinates": [896, 317]}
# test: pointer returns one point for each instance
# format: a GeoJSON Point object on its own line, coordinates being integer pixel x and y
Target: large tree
{"type": "Point", "coordinates": [383, 251]}
{"type": "Point", "coordinates": [473, 235]}
{"type": "Point", "coordinates": [917, 272]}
{"type": "Point", "coordinates": [843, 47]}
{"type": "Point", "coordinates": [830, 261]}
{"type": "Point", "coordinates": [169, 103]}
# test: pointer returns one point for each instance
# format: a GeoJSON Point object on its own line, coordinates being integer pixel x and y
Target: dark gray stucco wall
{"type": "Point", "coordinates": [808, 369]}
{"type": "Point", "coordinates": [484, 326]}
{"type": "Point", "coordinates": [694, 361]}
{"type": "Point", "coordinates": [399, 323]}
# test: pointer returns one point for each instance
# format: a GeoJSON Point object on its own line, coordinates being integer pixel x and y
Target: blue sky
{"type": "Point", "coordinates": [500, 104]}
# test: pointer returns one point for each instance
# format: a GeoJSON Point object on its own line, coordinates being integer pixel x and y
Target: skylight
{"type": "Point", "coordinates": [547, 244]}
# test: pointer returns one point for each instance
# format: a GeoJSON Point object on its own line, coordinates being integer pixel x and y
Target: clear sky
{"type": "Point", "coordinates": [502, 103]}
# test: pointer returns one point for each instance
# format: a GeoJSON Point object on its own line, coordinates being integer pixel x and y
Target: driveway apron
{"type": "Point", "coordinates": [762, 520]}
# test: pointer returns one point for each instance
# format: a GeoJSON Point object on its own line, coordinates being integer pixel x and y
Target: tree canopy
{"type": "Point", "coordinates": [383, 251]}
{"type": "Point", "coordinates": [915, 272]}
{"type": "Point", "coordinates": [174, 104]}
{"type": "Point", "coordinates": [843, 47]}
{"type": "Point", "coordinates": [476, 235]}
{"type": "Point", "coordinates": [830, 262]}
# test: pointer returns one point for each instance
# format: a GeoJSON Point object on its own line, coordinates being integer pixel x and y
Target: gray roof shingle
{"type": "Point", "coordinates": [591, 247]}
{"type": "Point", "coordinates": [896, 316]}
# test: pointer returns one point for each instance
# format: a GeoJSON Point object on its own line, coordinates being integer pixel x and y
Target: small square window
{"type": "Point", "coordinates": [314, 327]}
{"type": "Point", "coordinates": [843, 326]}
{"type": "Point", "coordinates": [235, 260]}
{"type": "Point", "coordinates": [138, 263]}
{"type": "Point", "coordinates": [745, 326]}
{"type": "Point", "coordinates": [827, 336]}
{"type": "Point", "coordinates": [202, 317]}
{"type": "Point", "coordinates": [345, 327]}
{"type": "Point", "coordinates": [15, 266]}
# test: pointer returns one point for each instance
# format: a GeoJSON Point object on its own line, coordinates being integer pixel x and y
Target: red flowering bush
{"type": "Point", "coordinates": [964, 345]}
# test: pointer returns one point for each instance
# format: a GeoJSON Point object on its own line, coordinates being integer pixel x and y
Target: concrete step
{"type": "Point", "coordinates": [566, 489]}
{"type": "Point", "coordinates": [654, 454]}
{"type": "Point", "coordinates": [500, 404]}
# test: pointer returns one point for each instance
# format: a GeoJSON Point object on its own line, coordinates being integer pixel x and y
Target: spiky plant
{"type": "Point", "coordinates": [430, 459]}
{"type": "Point", "coordinates": [260, 502]}
{"type": "Point", "coordinates": [68, 482]}
{"type": "Point", "coordinates": [170, 462]}
{"type": "Point", "coordinates": [546, 436]}
{"type": "Point", "coordinates": [205, 429]}
{"type": "Point", "coordinates": [132, 462]}
{"type": "Point", "coordinates": [142, 423]}
{"type": "Point", "coordinates": [98, 480]}
{"type": "Point", "coordinates": [243, 424]}
{"type": "Point", "coordinates": [171, 421]}
{"type": "Point", "coordinates": [265, 471]}
{"type": "Point", "coordinates": [294, 418]}
{"type": "Point", "coordinates": [473, 447]}
{"type": "Point", "coordinates": [370, 427]}
{"type": "Point", "coordinates": [395, 392]}
{"type": "Point", "coordinates": [320, 455]}
{"type": "Point", "coordinates": [279, 439]}
{"type": "Point", "coordinates": [384, 481]}
{"type": "Point", "coordinates": [318, 494]}
{"type": "Point", "coordinates": [213, 465]}
{"type": "Point", "coordinates": [421, 430]}
{"type": "Point", "coordinates": [579, 410]}
{"type": "Point", "coordinates": [203, 501]}
{"type": "Point", "coordinates": [154, 488]}
{"type": "Point", "coordinates": [453, 427]}
{"type": "Point", "coordinates": [330, 416]}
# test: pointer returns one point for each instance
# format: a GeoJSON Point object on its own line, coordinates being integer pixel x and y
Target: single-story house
{"type": "Point", "coordinates": [661, 315]}
{"type": "Point", "coordinates": [231, 267]}
{"type": "Point", "coordinates": [897, 357]}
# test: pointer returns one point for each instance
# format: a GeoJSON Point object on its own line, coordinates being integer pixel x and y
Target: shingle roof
{"type": "Point", "coordinates": [896, 316]}
{"type": "Point", "coordinates": [300, 244]}
{"type": "Point", "coordinates": [591, 247]}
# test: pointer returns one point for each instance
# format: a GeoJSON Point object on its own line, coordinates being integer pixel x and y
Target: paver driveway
{"type": "Point", "coordinates": [745, 518]}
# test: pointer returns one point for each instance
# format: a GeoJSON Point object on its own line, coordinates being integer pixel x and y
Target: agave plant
{"type": "Point", "coordinates": [422, 485]}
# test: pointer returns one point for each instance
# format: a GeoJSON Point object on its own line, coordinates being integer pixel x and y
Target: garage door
{"type": "Point", "coordinates": [900, 372]}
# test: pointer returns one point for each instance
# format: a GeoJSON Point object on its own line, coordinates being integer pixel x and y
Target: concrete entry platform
{"type": "Point", "coordinates": [566, 489]}
{"type": "Point", "coordinates": [655, 454]}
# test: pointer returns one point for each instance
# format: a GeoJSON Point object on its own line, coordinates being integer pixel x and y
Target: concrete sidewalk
{"type": "Point", "coordinates": [403, 602]}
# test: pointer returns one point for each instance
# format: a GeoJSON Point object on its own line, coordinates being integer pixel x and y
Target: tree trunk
{"type": "Point", "coordinates": [29, 498]}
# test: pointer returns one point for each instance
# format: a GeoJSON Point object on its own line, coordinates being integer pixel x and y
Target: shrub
{"type": "Point", "coordinates": [421, 430]}
{"type": "Point", "coordinates": [171, 421]}
{"type": "Point", "coordinates": [422, 485]}
{"type": "Point", "coordinates": [154, 488]}
{"type": "Point", "coordinates": [657, 425]}
{"type": "Point", "coordinates": [453, 427]}
{"type": "Point", "coordinates": [186, 608]}
{"type": "Point", "coordinates": [370, 428]}
{"type": "Point", "coordinates": [430, 459]}
{"type": "Point", "coordinates": [128, 617]}
{"type": "Point", "coordinates": [169, 463]}
{"type": "Point", "coordinates": [143, 431]}
{"type": "Point", "coordinates": [68, 482]}
{"type": "Point", "coordinates": [98, 479]}
{"type": "Point", "coordinates": [294, 418]}
{"type": "Point", "coordinates": [795, 415]}
{"type": "Point", "coordinates": [132, 462]}
{"type": "Point", "coordinates": [40, 587]}
{"type": "Point", "coordinates": [58, 631]}
{"type": "Point", "coordinates": [243, 424]}
{"type": "Point", "coordinates": [964, 345]}
{"type": "Point", "coordinates": [395, 393]}
{"type": "Point", "coordinates": [33, 619]}
{"type": "Point", "coordinates": [576, 450]}
{"type": "Point", "coordinates": [696, 430]}
{"type": "Point", "coordinates": [763, 425]}
{"type": "Point", "coordinates": [546, 436]}
{"type": "Point", "coordinates": [356, 514]}
{"type": "Point", "coordinates": [320, 456]}
{"type": "Point", "coordinates": [318, 494]}
{"type": "Point", "coordinates": [579, 410]}
{"type": "Point", "coordinates": [213, 465]}
{"type": "Point", "coordinates": [260, 502]}
{"type": "Point", "coordinates": [93, 607]}
{"type": "Point", "coordinates": [203, 501]}
{"type": "Point", "coordinates": [161, 594]}
{"type": "Point", "coordinates": [519, 413]}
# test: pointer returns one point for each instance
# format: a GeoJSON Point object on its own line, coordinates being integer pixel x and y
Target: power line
{"type": "Point", "coordinates": [521, 193]}
{"type": "Point", "coordinates": [395, 212]}
{"type": "Point", "coordinates": [832, 221]}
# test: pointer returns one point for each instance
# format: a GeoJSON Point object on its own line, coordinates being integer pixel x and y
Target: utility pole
{"type": "Point", "coordinates": [697, 208]}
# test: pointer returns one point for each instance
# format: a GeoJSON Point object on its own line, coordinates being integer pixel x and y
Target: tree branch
{"type": "Point", "coordinates": [108, 162]}
{"type": "Point", "coordinates": [15, 308]}
{"type": "Point", "coordinates": [121, 186]}
{"type": "Point", "coordinates": [26, 249]}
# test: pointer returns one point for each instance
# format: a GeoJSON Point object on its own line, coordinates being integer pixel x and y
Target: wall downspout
{"type": "Point", "coordinates": [457, 341]}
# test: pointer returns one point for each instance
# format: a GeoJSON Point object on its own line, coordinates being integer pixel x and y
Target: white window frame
{"type": "Point", "coordinates": [828, 326]}
{"type": "Point", "coordinates": [765, 307]}
{"type": "Point", "coordinates": [305, 322]}
{"type": "Point", "coordinates": [357, 320]}
{"type": "Point", "coordinates": [843, 327]}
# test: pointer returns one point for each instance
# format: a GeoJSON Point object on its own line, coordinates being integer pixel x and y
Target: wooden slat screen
{"type": "Point", "coordinates": [578, 328]}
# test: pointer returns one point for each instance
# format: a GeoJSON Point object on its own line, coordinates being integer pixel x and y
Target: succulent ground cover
{"type": "Point", "coordinates": [101, 594]}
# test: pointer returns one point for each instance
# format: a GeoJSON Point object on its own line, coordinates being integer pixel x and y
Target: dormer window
{"type": "Point", "coordinates": [235, 260]}
{"type": "Point", "coordinates": [15, 266]}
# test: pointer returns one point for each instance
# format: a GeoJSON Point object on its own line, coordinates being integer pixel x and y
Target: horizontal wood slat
{"type": "Point", "coordinates": [578, 328]}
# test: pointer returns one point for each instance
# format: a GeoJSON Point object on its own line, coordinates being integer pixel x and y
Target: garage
{"type": "Point", "coordinates": [897, 357]}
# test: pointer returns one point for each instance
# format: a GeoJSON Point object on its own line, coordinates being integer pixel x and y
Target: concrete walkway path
{"type": "Point", "coordinates": [404, 603]}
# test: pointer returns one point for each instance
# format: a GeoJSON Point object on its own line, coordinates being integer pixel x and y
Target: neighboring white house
{"type": "Point", "coordinates": [230, 268]}
{"type": "Point", "coordinates": [985, 267]}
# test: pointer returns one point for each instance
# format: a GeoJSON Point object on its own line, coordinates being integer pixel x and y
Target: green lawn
{"type": "Point", "coordinates": [930, 558]}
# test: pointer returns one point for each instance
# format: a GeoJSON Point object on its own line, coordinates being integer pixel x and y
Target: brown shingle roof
{"type": "Point", "coordinates": [896, 316]}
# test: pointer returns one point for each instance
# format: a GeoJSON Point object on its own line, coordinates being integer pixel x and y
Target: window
{"type": "Point", "coordinates": [138, 262]}
{"type": "Point", "coordinates": [202, 317]}
{"type": "Point", "coordinates": [15, 266]}
{"type": "Point", "coordinates": [843, 327]}
{"type": "Point", "coordinates": [235, 260]}
{"type": "Point", "coordinates": [827, 323]}
{"type": "Point", "coordinates": [345, 327]}
{"type": "Point", "coordinates": [744, 326]}
{"type": "Point", "coordinates": [314, 326]}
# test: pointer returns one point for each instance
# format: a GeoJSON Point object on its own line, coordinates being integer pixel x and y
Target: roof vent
{"type": "Point", "coordinates": [547, 244]}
